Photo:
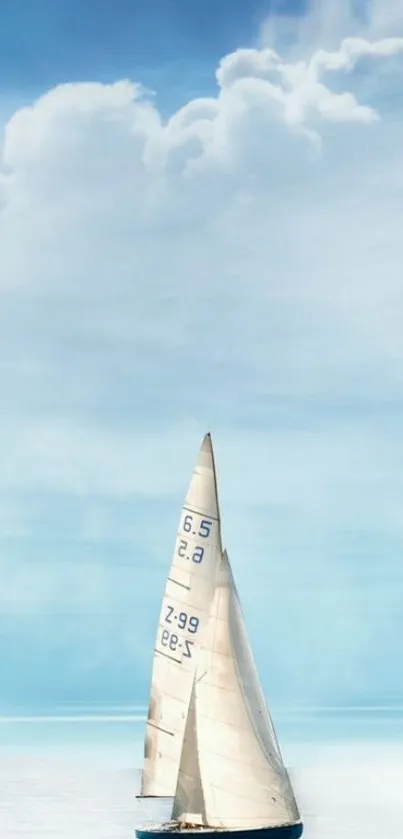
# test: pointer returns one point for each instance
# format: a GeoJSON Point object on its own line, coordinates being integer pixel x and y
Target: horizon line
{"type": "Point", "coordinates": [141, 717]}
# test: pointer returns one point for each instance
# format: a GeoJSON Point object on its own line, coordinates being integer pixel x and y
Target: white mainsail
{"type": "Point", "coordinates": [185, 611]}
{"type": "Point", "coordinates": [231, 772]}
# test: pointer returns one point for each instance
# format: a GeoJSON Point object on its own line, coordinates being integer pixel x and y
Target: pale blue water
{"type": "Point", "coordinates": [73, 772]}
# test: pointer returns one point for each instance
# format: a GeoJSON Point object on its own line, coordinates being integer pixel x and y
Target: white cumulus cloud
{"type": "Point", "coordinates": [298, 86]}
{"type": "Point", "coordinates": [164, 275]}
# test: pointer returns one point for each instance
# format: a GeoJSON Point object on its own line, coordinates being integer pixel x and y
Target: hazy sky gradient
{"type": "Point", "coordinates": [170, 265]}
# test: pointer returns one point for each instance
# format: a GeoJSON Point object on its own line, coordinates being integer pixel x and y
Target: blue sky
{"type": "Point", "coordinates": [171, 44]}
{"type": "Point", "coordinates": [222, 253]}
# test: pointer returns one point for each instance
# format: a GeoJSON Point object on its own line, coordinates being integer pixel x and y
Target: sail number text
{"type": "Point", "coordinates": [174, 642]}
{"type": "Point", "coordinates": [204, 527]}
{"type": "Point", "coordinates": [185, 621]}
{"type": "Point", "coordinates": [196, 556]}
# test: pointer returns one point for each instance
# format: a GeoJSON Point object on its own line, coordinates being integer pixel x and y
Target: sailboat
{"type": "Point", "coordinates": [231, 775]}
{"type": "Point", "coordinates": [184, 614]}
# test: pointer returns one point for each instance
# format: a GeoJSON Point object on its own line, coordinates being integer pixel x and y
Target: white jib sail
{"type": "Point", "coordinates": [184, 613]}
{"type": "Point", "coordinates": [231, 772]}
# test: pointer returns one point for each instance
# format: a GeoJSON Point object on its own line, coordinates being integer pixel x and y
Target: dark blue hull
{"type": "Point", "coordinates": [287, 831]}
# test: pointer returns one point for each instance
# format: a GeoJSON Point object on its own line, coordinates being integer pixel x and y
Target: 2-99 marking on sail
{"type": "Point", "coordinates": [185, 621]}
{"type": "Point", "coordinates": [174, 642]}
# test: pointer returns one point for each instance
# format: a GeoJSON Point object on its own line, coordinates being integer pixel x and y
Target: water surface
{"type": "Point", "coordinates": [74, 773]}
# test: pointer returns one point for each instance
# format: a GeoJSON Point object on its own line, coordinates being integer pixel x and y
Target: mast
{"type": "Point", "coordinates": [231, 772]}
{"type": "Point", "coordinates": [185, 609]}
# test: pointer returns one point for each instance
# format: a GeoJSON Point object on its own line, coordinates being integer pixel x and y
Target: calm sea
{"type": "Point", "coordinates": [73, 772]}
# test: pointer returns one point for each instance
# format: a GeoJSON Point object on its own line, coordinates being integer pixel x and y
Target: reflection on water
{"type": "Point", "coordinates": [76, 777]}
